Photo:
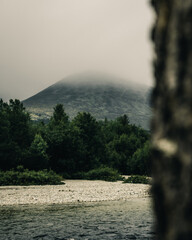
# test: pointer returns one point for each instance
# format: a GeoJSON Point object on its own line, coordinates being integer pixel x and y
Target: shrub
{"type": "Point", "coordinates": [140, 162]}
{"type": "Point", "coordinates": [137, 179]}
{"type": "Point", "coordinates": [25, 177]}
{"type": "Point", "coordinates": [78, 175]}
{"type": "Point", "coordinates": [103, 173]}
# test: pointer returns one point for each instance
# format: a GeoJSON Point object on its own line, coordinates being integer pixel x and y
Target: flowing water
{"type": "Point", "coordinates": [81, 221]}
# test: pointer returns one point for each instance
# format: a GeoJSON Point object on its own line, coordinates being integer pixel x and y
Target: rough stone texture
{"type": "Point", "coordinates": [72, 191]}
{"type": "Point", "coordinates": [172, 121]}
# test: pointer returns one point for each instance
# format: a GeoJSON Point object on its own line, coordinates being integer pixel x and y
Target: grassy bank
{"type": "Point", "coordinates": [21, 176]}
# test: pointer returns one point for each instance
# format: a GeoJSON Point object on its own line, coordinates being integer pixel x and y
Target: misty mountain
{"type": "Point", "coordinates": [100, 94]}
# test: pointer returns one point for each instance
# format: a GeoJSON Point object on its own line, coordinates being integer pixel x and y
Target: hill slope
{"type": "Point", "coordinates": [101, 95]}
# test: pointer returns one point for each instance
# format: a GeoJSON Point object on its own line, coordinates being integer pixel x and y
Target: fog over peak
{"type": "Point", "coordinates": [99, 78]}
{"type": "Point", "coordinates": [47, 40]}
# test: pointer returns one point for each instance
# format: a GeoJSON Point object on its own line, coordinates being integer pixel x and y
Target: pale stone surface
{"type": "Point", "coordinates": [72, 191]}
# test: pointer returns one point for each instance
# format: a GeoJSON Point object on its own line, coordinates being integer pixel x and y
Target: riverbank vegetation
{"type": "Point", "coordinates": [137, 179]}
{"type": "Point", "coordinates": [21, 176]}
{"type": "Point", "coordinates": [103, 173]}
{"type": "Point", "coordinates": [71, 147]}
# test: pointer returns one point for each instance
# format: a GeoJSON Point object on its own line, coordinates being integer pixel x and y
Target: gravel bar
{"type": "Point", "coordinates": [72, 191]}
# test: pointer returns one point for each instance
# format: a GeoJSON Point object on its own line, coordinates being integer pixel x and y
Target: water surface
{"type": "Point", "coordinates": [116, 220]}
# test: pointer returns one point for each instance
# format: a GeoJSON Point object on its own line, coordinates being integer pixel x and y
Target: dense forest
{"type": "Point", "coordinates": [70, 147]}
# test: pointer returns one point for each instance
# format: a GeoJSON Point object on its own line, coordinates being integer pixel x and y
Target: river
{"type": "Point", "coordinates": [115, 220]}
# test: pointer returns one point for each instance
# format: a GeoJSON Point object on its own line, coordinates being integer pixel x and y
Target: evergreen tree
{"type": "Point", "coordinates": [15, 134]}
{"type": "Point", "coordinates": [59, 115]}
{"type": "Point", "coordinates": [6, 146]}
{"type": "Point", "coordinates": [140, 162]}
{"type": "Point", "coordinates": [92, 150]}
{"type": "Point", "coordinates": [37, 158]}
{"type": "Point", "coordinates": [19, 121]}
{"type": "Point", "coordinates": [61, 147]}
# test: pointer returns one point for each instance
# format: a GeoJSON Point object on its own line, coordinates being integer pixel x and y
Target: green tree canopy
{"type": "Point", "coordinates": [15, 134]}
{"type": "Point", "coordinates": [38, 158]}
{"type": "Point", "coordinates": [59, 115]}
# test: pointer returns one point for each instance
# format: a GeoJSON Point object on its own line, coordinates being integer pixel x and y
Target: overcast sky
{"type": "Point", "coordinates": [43, 41]}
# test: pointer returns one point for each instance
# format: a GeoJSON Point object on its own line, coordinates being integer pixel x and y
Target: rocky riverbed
{"type": "Point", "coordinates": [72, 191]}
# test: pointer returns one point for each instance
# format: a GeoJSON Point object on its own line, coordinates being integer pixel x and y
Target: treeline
{"type": "Point", "coordinates": [70, 147]}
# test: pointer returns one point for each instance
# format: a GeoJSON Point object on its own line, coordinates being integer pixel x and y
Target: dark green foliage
{"type": "Point", "coordinates": [92, 149]}
{"type": "Point", "coordinates": [62, 149]}
{"type": "Point", "coordinates": [103, 173]}
{"type": "Point", "coordinates": [137, 179]}
{"type": "Point", "coordinates": [22, 176]}
{"type": "Point", "coordinates": [122, 141]}
{"type": "Point", "coordinates": [71, 148]}
{"type": "Point", "coordinates": [59, 115]}
{"type": "Point", "coordinates": [140, 162]}
{"type": "Point", "coordinates": [15, 133]}
{"type": "Point", "coordinates": [37, 157]}
{"type": "Point", "coordinates": [63, 143]}
{"type": "Point", "coordinates": [19, 123]}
